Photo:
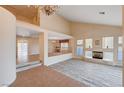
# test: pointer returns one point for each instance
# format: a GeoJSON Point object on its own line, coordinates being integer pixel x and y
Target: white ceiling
{"type": "Point", "coordinates": [56, 36]}
{"type": "Point", "coordinates": [90, 14]}
{"type": "Point", "coordinates": [26, 32]}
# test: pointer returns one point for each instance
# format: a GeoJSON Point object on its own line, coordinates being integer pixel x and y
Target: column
{"type": "Point", "coordinates": [43, 43]}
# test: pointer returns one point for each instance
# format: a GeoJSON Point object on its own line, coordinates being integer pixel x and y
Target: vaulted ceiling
{"type": "Point", "coordinates": [98, 14]}
{"type": "Point", "coordinates": [111, 14]}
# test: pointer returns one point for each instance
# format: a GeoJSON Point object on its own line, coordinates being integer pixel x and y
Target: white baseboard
{"type": "Point", "coordinates": [29, 66]}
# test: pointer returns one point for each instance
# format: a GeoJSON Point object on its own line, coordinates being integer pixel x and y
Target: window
{"type": "Point", "coordinates": [88, 43]}
{"type": "Point", "coordinates": [79, 42]}
{"type": "Point", "coordinates": [79, 48]}
{"type": "Point", "coordinates": [64, 46]}
{"type": "Point", "coordinates": [108, 56]}
{"type": "Point", "coordinates": [120, 51]}
{"type": "Point", "coordinates": [119, 54]}
{"type": "Point", "coordinates": [120, 40]}
{"type": "Point", "coordinates": [107, 42]}
{"type": "Point", "coordinates": [88, 54]}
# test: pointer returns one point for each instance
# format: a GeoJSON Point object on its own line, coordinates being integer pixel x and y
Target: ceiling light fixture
{"type": "Point", "coordinates": [102, 13]}
{"type": "Point", "coordinates": [45, 9]}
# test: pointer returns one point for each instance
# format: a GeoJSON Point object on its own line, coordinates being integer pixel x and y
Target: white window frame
{"type": "Point", "coordinates": [104, 41]}
{"type": "Point", "coordinates": [89, 46]}
{"type": "Point", "coordinates": [79, 43]}
{"type": "Point", "coordinates": [120, 44]}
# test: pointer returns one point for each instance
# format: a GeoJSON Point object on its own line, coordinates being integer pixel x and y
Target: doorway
{"type": "Point", "coordinates": [27, 48]}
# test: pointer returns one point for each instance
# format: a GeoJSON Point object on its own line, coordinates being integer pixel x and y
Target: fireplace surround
{"type": "Point", "coordinates": [97, 55]}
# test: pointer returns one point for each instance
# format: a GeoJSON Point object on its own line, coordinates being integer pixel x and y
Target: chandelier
{"type": "Point", "coordinates": [45, 9]}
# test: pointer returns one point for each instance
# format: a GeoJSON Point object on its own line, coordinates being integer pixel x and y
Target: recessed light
{"type": "Point", "coordinates": [102, 13]}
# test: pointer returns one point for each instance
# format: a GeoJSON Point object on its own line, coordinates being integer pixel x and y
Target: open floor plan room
{"type": "Point", "coordinates": [61, 46]}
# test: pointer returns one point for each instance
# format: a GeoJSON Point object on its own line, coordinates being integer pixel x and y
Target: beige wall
{"type": "Point", "coordinates": [25, 19]}
{"type": "Point", "coordinates": [123, 41]}
{"type": "Point", "coordinates": [55, 23]}
{"type": "Point", "coordinates": [96, 32]}
{"type": "Point", "coordinates": [80, 30]}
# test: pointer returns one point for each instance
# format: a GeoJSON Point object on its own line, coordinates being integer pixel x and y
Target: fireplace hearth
{"type": "Point", "coordinates": [97, 55]}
